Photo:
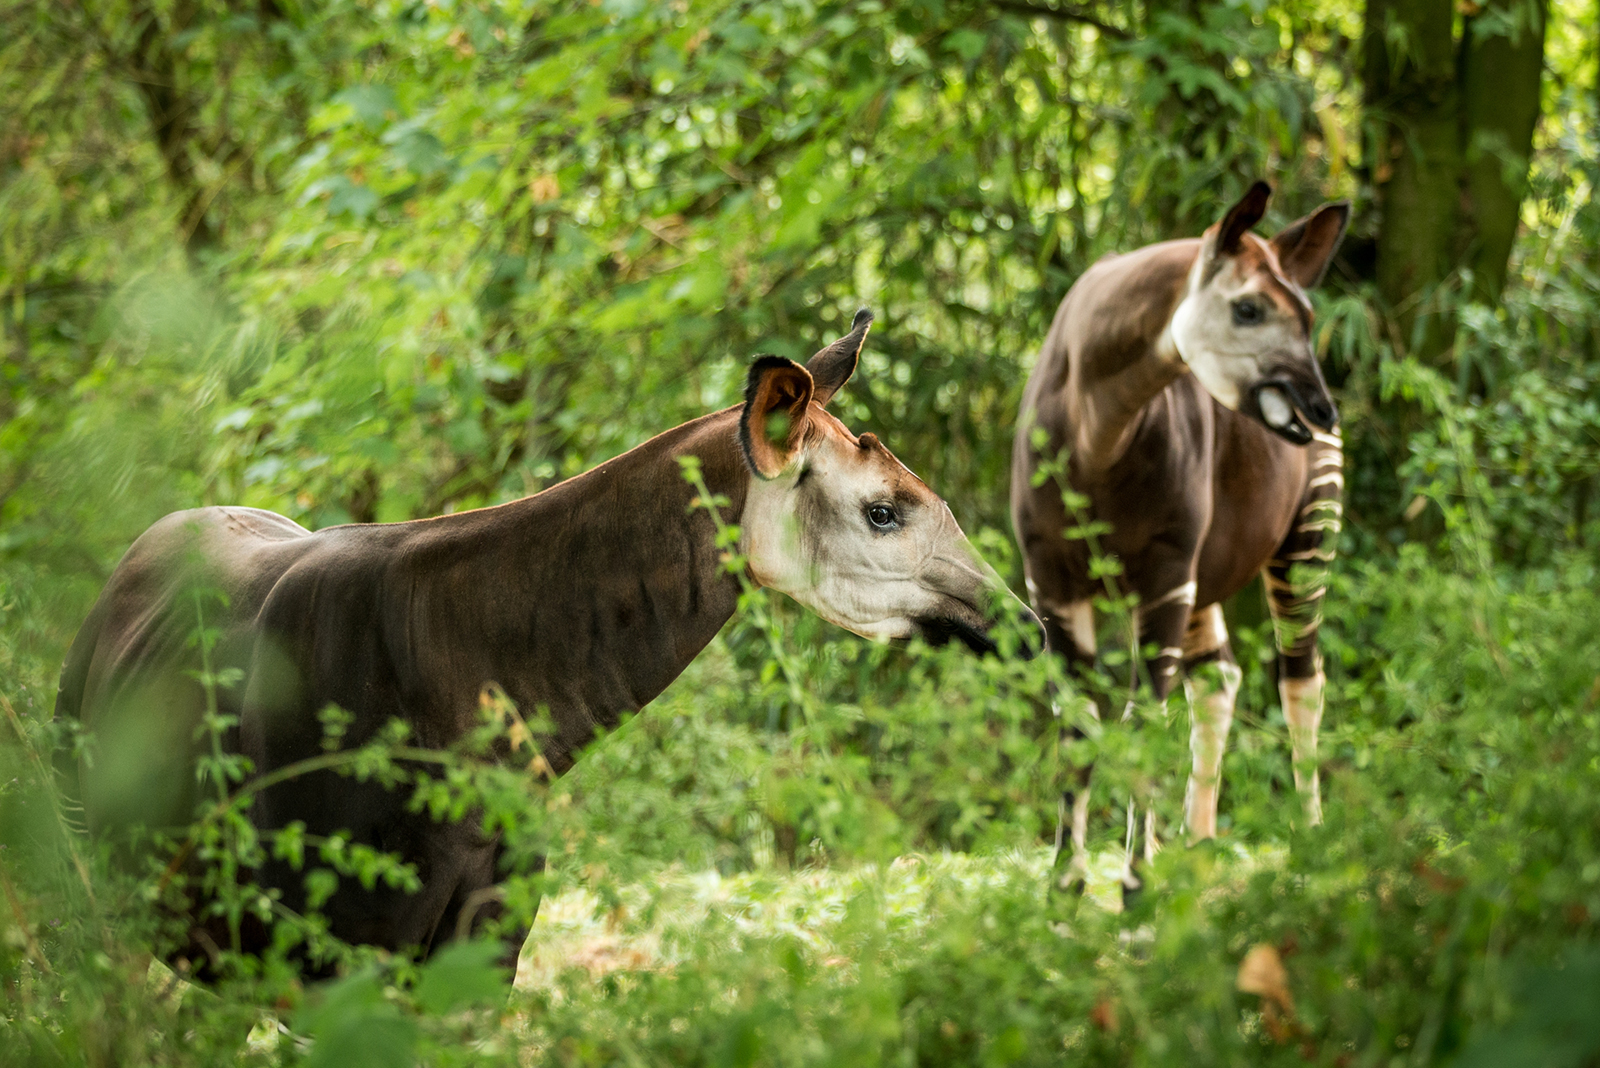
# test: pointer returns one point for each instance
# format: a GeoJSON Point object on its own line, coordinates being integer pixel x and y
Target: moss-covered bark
{"type": "Point", "coordinates": [1502, 61]}
{"type": "Point", "coordinates": [1451, 120]}
{"type": "Point", "coordinates": [1412, 95]}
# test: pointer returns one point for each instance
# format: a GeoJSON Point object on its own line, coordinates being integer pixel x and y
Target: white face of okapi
{"type": "Point", "coordinates": [836, 522]}
{"type": "Point", "coordinates": [1243, 325]}
{"type": "Point", "coordinates": [1235, 326]}
{"type": "Point", "coordinates": [848, 531]}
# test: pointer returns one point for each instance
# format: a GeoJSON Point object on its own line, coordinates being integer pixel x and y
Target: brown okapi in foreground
{"type": "Point", "coordinates": [1181, 382]}
{"type": "Point", "coordinates": [586, 599]}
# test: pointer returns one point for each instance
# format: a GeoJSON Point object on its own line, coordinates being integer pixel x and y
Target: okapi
{"type": "Point", "coordinates": [1180, 380]}
{"type": "Point", "coordinates": [586, 599]}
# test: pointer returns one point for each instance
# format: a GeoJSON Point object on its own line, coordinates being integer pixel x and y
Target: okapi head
{"type": "Point", "coordinates": [836, 522]}
{"type": "Point", "coordinates": [1244, 323]}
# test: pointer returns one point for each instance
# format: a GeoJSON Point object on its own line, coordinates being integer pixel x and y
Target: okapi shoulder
{"type": "Point", "coordinates": [318, 641]}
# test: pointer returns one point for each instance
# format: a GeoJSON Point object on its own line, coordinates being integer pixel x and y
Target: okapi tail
{"type": "Point", "coordinates": [69, 725]}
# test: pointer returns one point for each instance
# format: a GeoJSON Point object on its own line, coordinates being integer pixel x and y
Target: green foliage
{"type": "Point", "coordinates": [461, 975]}
{"type": "Point", "coordinates": [354, 1023]}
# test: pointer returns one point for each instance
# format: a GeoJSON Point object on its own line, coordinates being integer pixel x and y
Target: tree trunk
{"type": "Point", "coordinates": [158, 72]}
{"type": "Point", "coordinates": [1413, 107]}
{"type": "Point", "coordinates": [1502, 63]}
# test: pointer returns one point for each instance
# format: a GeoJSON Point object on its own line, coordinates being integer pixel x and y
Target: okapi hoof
{"type": "Point", "coordinates": [1068, 885]}
{"type": "Point", "coordinates": [1132, 891]}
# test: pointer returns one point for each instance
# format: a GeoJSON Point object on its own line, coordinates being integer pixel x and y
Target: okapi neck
{"type": "Point", "coordinates": [1133, 357]}
{"type": "Point", "coordinates": [587, 599]}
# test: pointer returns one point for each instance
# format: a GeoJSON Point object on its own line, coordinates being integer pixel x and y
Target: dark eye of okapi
{"type": "Point", "coordinates": [1247, 313]}
{"type": "Point", "coordinates": [882, 516]}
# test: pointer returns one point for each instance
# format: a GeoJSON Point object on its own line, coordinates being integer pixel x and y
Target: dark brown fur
{"type": "Point", "coordinates": [1188, 486]}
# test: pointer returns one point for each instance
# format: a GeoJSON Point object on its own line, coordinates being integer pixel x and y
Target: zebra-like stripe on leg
{"type": "Point", "coordinates": [1296, 580]}
{"type": "Point", "coordinates": [1162, 619]}
{"type": "Point", "coordinates": [1296, 576]}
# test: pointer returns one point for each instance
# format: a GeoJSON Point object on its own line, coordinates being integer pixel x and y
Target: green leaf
{"type": "Point", "coordinates": [463, 974]}
{"type": "Point", "coordinates": [353, 1025]}
{"type": "Point", "coordinates": [372, 104]}
{"type": "Point", "coordinates": [968, 44]}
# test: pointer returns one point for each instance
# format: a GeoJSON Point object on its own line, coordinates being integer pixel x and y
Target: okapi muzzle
{"type": "Point", "coordinates": [1243, 324]}
{"type": "Point", "coordinates": [1285, 404]}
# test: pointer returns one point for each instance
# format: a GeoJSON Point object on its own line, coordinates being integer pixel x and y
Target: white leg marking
{"type": "Point", "coordinates": [1152, 843]}
{"type": "Point", "coordinates": [1128, 881]}
{"type": "Point", "coordinates": [1082, 622]}
{"type": "Point", "coordinates": [1211, 712]}
{"type": "Point", "coordinates": [1302, 711]}
{"type": "Point", "coordinates": [1080, 823]}
{"type": "Point", "coordinates": [1077, 867]}
{"type": "Point", "coordinates": [1184, 594]}
{"type": "Point", "coordinates": [1207, 632]}
{"type": "Point", "coordinates": [1077, 617]}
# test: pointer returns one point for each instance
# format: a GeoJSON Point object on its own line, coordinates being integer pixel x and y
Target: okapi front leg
{"type": "Point", "coordinates": [1162, 614]}
{"type": "Point", "coordinates": [1069, 632]}
{"type": "Point", "coordinates": [1211, 682]}
{"type": "Point", "coordinates": [1163, 620]}
{"type": "Point", "coordinates": [1297, 579]}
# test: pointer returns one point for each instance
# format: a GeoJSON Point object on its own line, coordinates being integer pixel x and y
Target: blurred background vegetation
{"type": "Point", "coordinates": [374, 261]}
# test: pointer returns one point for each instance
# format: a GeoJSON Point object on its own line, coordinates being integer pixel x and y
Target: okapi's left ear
{"type": "Point", "coordinates": [1305, 248]}
{"type": "Point", "coordinates": [831, 368]}
{"type": "Point", "coordinates": [773, 423]}
{"type": "Point", "coordinates": [1243, 216]}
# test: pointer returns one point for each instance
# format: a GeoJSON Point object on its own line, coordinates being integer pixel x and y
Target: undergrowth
{"type": "Point", "coordinates": [866, 885]}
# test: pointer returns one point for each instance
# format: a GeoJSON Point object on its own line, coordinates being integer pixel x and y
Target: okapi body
{"type": "Point", "coordinates": [1181, 384]}
{"type": "Point", "coordinates": [586, 600]}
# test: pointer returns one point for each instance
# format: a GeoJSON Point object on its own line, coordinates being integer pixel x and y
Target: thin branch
{"type": "Point", "coordinates": [1065, 14]}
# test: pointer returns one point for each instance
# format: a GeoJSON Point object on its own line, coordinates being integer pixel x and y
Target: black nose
{"type": "Point", "coordinates": [1321, 411]}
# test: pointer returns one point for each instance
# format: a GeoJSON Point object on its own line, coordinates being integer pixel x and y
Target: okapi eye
{"type": "Point", "coordinates": [1247, 313]}
{"type": "Point", "coordinates": [882, 516]}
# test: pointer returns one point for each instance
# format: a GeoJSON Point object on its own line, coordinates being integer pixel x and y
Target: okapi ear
{"type": "Point", "coordinates": [831, 368]}
{"type": "Point", "coordinates": [1305, 248]}
{"type": "Point", "coordinates": [1242, 217]}
{"type": "Point", "coordinates": [773, 422]}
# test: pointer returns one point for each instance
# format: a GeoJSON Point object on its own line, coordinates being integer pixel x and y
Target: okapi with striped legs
{"type": "Point", "coordinates": [586, 600]}
{"type": "Point", "coordinates": [1181, 382]}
